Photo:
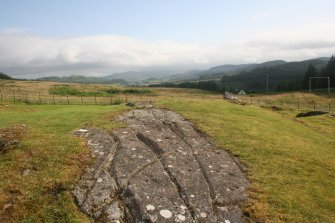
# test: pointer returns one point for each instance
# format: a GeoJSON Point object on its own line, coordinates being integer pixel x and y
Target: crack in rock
{"type": "Point", "coordinates": [159, 169]}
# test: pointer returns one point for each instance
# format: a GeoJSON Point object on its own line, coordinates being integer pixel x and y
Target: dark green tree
{"type": "Point", "coordinates": [330, 71]}
{"type": "Point", "coordinates": [311, 72]}
{"type": "Point", "coordinates": [4, 76]}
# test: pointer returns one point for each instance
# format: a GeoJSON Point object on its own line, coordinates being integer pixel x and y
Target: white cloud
{"type": "Point", "coordinates": [31, 55]}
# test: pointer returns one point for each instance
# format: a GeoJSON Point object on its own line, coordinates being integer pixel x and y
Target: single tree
{"type": "Point", "coordinates": [311, 72]}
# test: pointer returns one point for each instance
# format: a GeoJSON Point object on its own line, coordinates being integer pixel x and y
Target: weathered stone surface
{"type": "Point", "coordinates": [159, 169]}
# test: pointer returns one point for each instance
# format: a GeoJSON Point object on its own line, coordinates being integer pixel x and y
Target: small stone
{"type": "Point", "coordinates": [182, 207]}
{"type": "Point", "coordinates": [165, 213]}
{"type": "Point", "coordinates": [114, 213]}
{"type": "Point", "coordinates": [192, 195]}
{"type": "Point", "coordinates": [150, 207]}
{"type": "Point", "coordinates": [170, 166]}
{"type": "Point", "coordinates": [181, 217]}
{"type": "Point", "coordinates": [99, 180]}
{"type": "Point", "coordinates": [8, 205]}
{"type": "Point", "coordinates": [26, 172]}
{"type": "Point", "coordinates": [159, 140]}
{"type": "Point", "coordinates": [226, 221]}
{"type": "Point", "coordinates": [82, 130]}
{"type": "Point", "coordinates": [203, 215]}
{"type": "Point", "coordinates": [124, 132]}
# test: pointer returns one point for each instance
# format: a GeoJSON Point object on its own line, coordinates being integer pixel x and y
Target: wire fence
{"type": "Point", "coordinates": [294, 105]}
{"type": "Point", "coordinates": [45, 97]}
{"type": "Point", "coordinates": [33, 97]}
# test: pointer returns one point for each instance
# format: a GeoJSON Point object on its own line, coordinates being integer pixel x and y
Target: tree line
{"type": "Point", "coordinates": [287, 77]}
{"type": "Point", "coordinates": [5, 76]}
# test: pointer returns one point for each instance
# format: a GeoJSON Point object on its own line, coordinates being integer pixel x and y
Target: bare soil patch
{"type": "Point", "coordinates": [9, 137]}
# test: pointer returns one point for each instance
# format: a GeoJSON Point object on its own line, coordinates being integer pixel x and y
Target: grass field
{"type": "Point", "coordinates": [290, 161]}
{"type": "Point", "coordinates": [54, 157]}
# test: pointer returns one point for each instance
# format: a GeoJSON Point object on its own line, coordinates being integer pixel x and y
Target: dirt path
{"type": "Point", "coordinates": [159, 169]}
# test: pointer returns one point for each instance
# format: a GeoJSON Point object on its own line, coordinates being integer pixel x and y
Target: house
{"type": "Point", "coordinates": [241, 92]}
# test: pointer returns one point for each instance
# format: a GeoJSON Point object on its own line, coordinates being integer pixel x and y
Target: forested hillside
{"type": "Point", "coordinates": [278, 76]}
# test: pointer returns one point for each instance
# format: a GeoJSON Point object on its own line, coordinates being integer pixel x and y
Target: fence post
{"type": "Point", "coordinates": [0, 95]}
{"type": "Point", "coordinates": [14, 96]}
{"type": "Point", "coordinates": [95, 98]}
{"type": "Point", "coordinates": [110, 98]}
{"type": "Point", "coordinates": [125, 96]}
{"type": "Point", "coordinates": [39, 96]}
{"type": "Point", "coordinates": [26, 97]}
{"type": "Point", "coordinates": [251, 101]}
{"type": "Point", "coordinates": [81, 98]}
{"type": "Point", "coordinates": [67, 99]}
{"type": "Point", "coordinates": [53, 98]}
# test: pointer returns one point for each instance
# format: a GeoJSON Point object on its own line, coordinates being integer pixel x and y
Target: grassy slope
{"type": "Point", "coordinates": [55, 157]}
{"type": "Point", "coordinates": [291, 161]}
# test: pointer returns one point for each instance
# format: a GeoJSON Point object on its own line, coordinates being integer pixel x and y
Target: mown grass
{"type": "Point", "coordinates": [291, 161]}
{"type": "Point", "coordinates": [55, 158]}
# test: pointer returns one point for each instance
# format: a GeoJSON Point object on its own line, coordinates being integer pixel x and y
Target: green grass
{"type": "Point", "coordinates": [74, 91]}
{"type": "Point", "coordinates": [55, 157]}
{"type": "Point", "coordinates": [291, 162]}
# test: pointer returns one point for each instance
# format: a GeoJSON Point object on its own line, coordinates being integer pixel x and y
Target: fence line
{"type": "Point", "coordinates": [35, 97]}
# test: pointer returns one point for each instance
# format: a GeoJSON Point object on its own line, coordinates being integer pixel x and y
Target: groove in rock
{"type": "Point", "coordinates": [139, 170]}
{"type": "Point", "coordinates": [133, 210]}
{"type": "Point", "coordinates": [97, 172]}
{"type": "Point", "coordinates": [176, 130]}
{"type": "Point", "coordinates": [154, 147]}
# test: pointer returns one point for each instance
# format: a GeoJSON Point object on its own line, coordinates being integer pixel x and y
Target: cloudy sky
{"type": "Point", "coordinates": [100, 37]}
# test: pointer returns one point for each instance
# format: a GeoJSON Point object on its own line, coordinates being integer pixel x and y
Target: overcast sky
{"type": "Point", "coordinates": [100, 37]}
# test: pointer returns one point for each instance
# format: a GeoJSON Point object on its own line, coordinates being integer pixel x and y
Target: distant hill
{"type": "Point", "coordinates": [281, 76]}
{"type": "Point", "coordinates": [189, 75]}
{"type": "Point", "coordinates": [218, 71]}
{"type": "Point", "coordinates": [243, 76]}
{"type": "Point", "coordinates": [138, 76]}
{"type": "Point", "coordinates": [83, 80]}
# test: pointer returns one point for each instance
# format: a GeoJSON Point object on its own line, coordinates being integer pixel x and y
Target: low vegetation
{"type": "Point", "coordinates": [290, 161]}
